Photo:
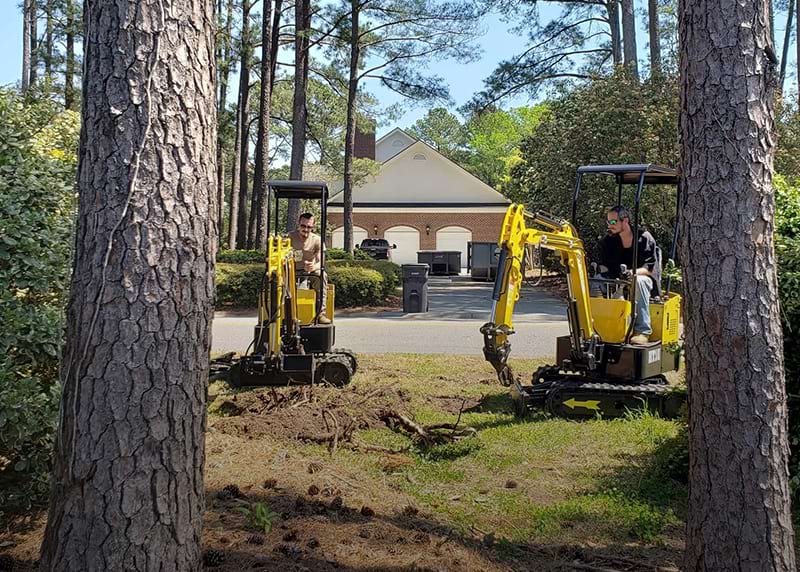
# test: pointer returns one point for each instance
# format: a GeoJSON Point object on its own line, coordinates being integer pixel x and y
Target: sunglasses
{"type": "Point", "coordinates": [308, 226]}
{"type": "Point", "coordinates": [612, 221]}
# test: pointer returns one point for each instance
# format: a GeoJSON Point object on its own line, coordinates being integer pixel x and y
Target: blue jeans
{"type": "Point", "coordinates": [644, 285]}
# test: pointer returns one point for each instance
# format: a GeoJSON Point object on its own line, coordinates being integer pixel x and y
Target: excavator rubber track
{"type": "Point", "coordinates": [335, 368]}
{"type": "Point", "coordinates": [576, 396]}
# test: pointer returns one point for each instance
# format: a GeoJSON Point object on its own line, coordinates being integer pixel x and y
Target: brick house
{"type": "Point", "coordinates": [420, 200]}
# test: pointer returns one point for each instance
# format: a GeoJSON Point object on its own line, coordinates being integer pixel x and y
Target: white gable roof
{"type": "Point", "coordinates": [391, 144]}
{"type": "Point", "coordinates": [420, 176]}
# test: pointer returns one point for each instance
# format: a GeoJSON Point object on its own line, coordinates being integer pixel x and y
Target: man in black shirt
{"type": "Point", "coordinates": [616, 249]}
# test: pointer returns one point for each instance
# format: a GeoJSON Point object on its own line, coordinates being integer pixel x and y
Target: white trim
{"type": "Point", "coordinates": [443, 210]}
{"type": "Point", "coordinates": [392, 132]}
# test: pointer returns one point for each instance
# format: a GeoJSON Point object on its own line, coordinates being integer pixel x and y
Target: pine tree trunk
{"type": "Point", "coordinates": [34, 64]}
{"type": "Point", "coordinates": [276, 34]}
{"type": "Point", "coordinates": [244, 127]}
{"type": "Point", "coordinates": [260, 191]}
{"type": "Point", "coordinates": [128, 477]}
{"type": "Point", "coordinates": [739, 516]}
{"type": "Point", "coordinates": [612, 8]}
{"type": "Point", "coordinates": [655, 41]}
{"type": "Point", "coordinates": [299, 115]}
{"type": "Point", "coordinates": [48, 40]}
{"type": "Point", "coordinates": [350, 134]}
{"type": "Point", "coordinates": [224, 67]}
{"type": "Point", "coordinates": [251, 217]}
{"type": "Point", "coordinates": [233, 201]}
{"type": "Point", "coordinates": [244, 169]}
{"type": "Point", "coordinates": [26, 46]}
{"type": "Point", "coordinates": [629, 37]}
{"type": "Point", "coordinates": [69, 69]}
{"type": "Point", "coordinates": [787, 38]}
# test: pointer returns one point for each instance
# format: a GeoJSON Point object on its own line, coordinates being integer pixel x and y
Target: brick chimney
{"type": "Point", "coordinates": [365, 142]}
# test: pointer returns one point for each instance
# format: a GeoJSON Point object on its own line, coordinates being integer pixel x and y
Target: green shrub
{"type": "Point", "coordinates": [240, 256]}
{"type": "Point", "coordinates": [28, 411]}
{"type": "Point", "coordinates": [392, 273]}
{"type": "Point", "coordinates": [338, 254]}
{"type": "Point", "coordinates": [238, 284]}
{"type": "Point", "coordinates": [38, 157]}
{"type": "Point", "coordinates": [356, 286]}
{"type": "Point", "coordinates": [358, 283]}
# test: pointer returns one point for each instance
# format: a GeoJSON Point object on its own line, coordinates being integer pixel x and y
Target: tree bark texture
{"type": "Point", "coordinates": [48, 39]}
{"type": "Point", "coordinates": [629, 37]}
{"type": "Point", "coordinates": [260, 191]}
{"type": "Point", "coordinates": [739, 517]}
{"type": "Point", "coordinates": [34, 38]}
{"type": "Point", "coordinates": [350, 133]}
{"type": "Point", "coordinates": [787, 38]}
{"type": "Point", "coordinates": [26, 45]}
{"type": "Point", "coordinates": [244, 128]}
{"type": "Point", "coordinates": [655, 40]}
{"type": "Point", "coordinates": [612, 8]}
{"type": "Point", "coordinates": [128, 477]}
{"type": "Point", "coordinates": [302, 19]}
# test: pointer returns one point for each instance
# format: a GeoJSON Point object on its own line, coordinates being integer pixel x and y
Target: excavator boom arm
{"type": "Point", "coordinates": [551, 233]}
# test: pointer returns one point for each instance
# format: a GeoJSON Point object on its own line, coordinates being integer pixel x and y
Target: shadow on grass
{"type": "Point", "coordinates": [310, 531]}
{"type": "Point", "coordinates": [493, 403]}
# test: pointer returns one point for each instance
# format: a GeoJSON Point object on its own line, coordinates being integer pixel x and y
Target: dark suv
{"type": "Point", "coordinates": [377, 248]}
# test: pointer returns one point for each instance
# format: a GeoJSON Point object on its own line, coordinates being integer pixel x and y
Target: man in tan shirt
{"type": "Point", "coordinates": [308, 247]}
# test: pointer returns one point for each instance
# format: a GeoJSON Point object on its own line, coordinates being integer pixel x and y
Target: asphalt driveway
{"type": "Point", "coordinates": [458, 308]}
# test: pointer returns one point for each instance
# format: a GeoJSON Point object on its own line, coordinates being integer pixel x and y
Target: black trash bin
{"type": "Point", "coordinates": [442, 262]}
{"type": "Point", "coordinates": [415, 288]}
{"type": "Point", "coordinates": [482, 259]}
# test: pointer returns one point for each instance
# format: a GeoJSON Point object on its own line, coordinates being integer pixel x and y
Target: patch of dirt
{"type": "Point", "coordinates": [306, 413]}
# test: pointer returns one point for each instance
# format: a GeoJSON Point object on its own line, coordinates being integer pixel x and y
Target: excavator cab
{"type": "Point", "coordinates": [597, 370]}
{"type": "Point", "coordinates": [291, 345]}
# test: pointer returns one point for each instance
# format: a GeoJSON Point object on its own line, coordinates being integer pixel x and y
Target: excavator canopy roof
{"type": "Point", "coordinates": [629, 174]}
{"type": "Point", "coordinates": [299, 189]}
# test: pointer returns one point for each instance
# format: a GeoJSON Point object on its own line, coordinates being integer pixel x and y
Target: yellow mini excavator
{"type": "Point", "coordinates": [597, 371]}
{"type": "Point", "coordinates": [290, 344]}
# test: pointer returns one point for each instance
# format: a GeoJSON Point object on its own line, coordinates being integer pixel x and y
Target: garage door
{"type": "Point", "coordinates": [359, 234]}
{"type": "Point", "coordinates": [407, 240]}
{"type": "Point", "coordinates": [454, 238]}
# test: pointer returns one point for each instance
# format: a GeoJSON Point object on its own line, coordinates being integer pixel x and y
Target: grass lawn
{"type": "Point", "coordinates": [535, 494]}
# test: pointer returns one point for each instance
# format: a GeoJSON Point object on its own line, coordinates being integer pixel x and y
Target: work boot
{"type": "Point", "coordinates": [640, 339]}
{"type": "Point", "coordinates": [323, 319]}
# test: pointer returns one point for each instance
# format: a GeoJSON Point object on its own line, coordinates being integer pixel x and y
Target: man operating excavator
{"type": "Point", "coordinates": [616, 250]}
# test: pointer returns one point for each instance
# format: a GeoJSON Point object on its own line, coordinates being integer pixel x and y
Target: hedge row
{"type": "Point", "coordinates": [391, 273]}
{"type": "Point", "coordinates": [240, 256]}
{"type": "Point", "coordinates": [358, 282]}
